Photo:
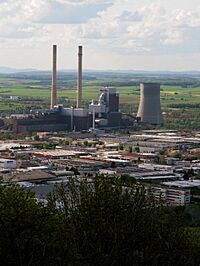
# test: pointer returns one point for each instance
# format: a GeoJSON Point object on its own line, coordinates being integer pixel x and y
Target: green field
{"type": "Point", "coordinates": [128, 94]}
{"type": "Point", "coordinates": [180, 103]}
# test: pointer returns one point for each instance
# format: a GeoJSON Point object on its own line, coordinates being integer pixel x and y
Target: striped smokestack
{"type": "Point", "coordinates": [79, 80]}
{"type": "Point", "coordinates": [54, 78]}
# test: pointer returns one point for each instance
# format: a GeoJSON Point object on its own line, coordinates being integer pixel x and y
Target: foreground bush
{"type": "Point", "coordinates": [96, 223]}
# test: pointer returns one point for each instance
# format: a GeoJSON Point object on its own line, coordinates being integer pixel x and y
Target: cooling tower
{"type": "Point", "coordinates": [54, 77]}
{"type": "Point", "coordinates": [79, 80]}
{"type": "Point", "coordinates": [149, 108]}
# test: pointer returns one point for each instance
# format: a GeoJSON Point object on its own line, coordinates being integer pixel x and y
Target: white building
{"type": "Point", "coordinates": [107, 172]}
{"type": "Point", "coordinates": [178, 196]}
{"type": "Point", "coordinates": [173, 196]}
{"type": "Point", "coordinates": [14, 98]}
{"type": "Point", "coordinates": [7, 163]}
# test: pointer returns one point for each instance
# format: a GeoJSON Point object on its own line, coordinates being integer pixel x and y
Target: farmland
{"type": "Point", "coordinates": [180, 96]}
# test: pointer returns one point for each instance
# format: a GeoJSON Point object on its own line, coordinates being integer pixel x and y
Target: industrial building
{"type": "Point", "coordinates": [103, 113]}
{"type": "Point", "coordinates": [149, 108]}
{"type": "Point", "coordinates": [99, 114]}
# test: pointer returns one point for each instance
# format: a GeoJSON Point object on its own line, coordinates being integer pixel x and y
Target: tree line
{"type": "Point", "coordinates": [98, 221]}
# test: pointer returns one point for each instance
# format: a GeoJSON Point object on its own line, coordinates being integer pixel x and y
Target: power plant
{"type": "Point", "coordinates": [54, 78]}
{"type": "Point", "coordinates": [103, 113]}
{"type": "Point", "coordinates": [149, 108]}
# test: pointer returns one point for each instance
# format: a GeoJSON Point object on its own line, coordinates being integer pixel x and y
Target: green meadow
{"type": "Point", "coordinates": [128, 94]}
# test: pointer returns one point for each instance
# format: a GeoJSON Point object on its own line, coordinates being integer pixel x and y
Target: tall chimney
{"type": "Point", "coordinates": [54, 78]}
{"type": "Point", "coordinates": [79, 80]}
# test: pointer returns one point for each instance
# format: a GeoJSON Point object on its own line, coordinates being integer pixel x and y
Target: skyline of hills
{"type": "Point", "coordinates": [11, 70]}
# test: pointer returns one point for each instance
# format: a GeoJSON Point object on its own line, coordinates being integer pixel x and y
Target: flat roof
{"type": "Point", "coordinates": [6, 160]}
{"type": "Point", "coordinates": [58, 153]}
{"type": "Point", "coordinates": [156, 177]}
{"type": "Point", "coordinates": [184, 183]}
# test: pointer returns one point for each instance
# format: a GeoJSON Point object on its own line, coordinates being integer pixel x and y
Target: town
{"type": "Point", "coordinates": [167, 163]}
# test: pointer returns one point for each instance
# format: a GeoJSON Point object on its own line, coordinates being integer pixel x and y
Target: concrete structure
{"type": "Point", "coordinates": [149, 108]}
{"type": "Point", "coordinates": [79, 79]}
{"type": "Point", "coordinates": [54, 78]}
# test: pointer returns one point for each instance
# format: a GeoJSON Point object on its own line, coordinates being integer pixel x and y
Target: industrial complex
{"type": "Point", "coordinates": [103, 113]}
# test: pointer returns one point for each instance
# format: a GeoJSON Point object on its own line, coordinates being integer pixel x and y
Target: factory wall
{"type": "Point", "coordinates": [50, 122]}
{"type": "Point", "coordinates": [82, 123]}
{"type": "Point", "coordinates": [39, 128]}
{"type": "Point", "coordinates": [114, 119]}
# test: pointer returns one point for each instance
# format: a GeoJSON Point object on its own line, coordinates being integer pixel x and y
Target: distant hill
{"type": "Point", "coordinates": [9, 70]}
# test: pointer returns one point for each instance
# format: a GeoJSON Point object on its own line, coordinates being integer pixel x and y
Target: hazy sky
{"type": "Point", "coordinates": [116, 34]}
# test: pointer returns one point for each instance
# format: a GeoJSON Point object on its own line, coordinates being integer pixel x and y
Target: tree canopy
{"type": "Point", "coordinates": [93, 222]}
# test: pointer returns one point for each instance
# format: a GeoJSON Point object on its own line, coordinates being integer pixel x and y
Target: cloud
{"type": "Point", "coordinates": [120, 27]}
{"type": "Point", "coordinates": [71, 12]}
{"type": "Point", "coordinates": [172, 37]}
{"type": "Point", "coordinates": [146, 29]}
{"type": "Point", "coordinates": [24, 19]}
{"type": "Point", "coordinates": [130, 16]}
